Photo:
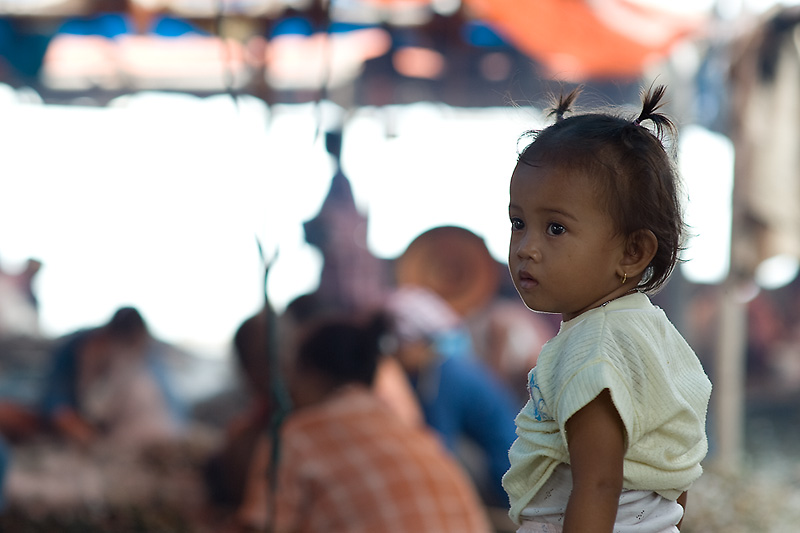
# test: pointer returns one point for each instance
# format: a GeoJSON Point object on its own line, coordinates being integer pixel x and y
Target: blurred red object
{"type": "Point", "coordinates": [577, 40]}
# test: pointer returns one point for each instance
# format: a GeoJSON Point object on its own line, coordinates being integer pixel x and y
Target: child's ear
{"type": "Point", "coordinates": [640, 249]}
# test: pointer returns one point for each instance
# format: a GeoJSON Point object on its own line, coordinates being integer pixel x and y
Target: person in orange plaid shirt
{"type": "Point", "coordinates": [346, 463]}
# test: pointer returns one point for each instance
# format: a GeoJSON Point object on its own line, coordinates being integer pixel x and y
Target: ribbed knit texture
{"type": "Point", "coordinates": [656, 383]}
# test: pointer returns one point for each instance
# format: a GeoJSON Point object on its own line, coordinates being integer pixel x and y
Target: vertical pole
{"type": "Point", "coordinates": [729, 383]}
{"type": "Point", "coordinates": [728, 398]}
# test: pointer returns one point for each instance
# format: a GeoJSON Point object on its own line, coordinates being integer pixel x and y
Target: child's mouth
{"type": "Point", "coordinates": [526, 281]}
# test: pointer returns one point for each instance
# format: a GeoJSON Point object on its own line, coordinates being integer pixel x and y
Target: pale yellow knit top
{"type": "Point", "coordinates": [656, 383]}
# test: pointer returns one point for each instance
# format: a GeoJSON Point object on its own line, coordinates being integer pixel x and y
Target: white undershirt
{"type": "Point", "coordinates": [640, 511]}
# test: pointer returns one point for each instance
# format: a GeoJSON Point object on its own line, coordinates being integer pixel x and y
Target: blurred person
{"type": "Point", "coordinates": [110, 382]}
{"type": "Point", "coordinates": [345, 463]}
{"type": "Point", "coordinates": [462, 399]}
{"type": "Point", "coordinates": [508, 337]}
{"type": "Point", "coordinates": [226, 470]}
{"type": "Point", "coordinates": [115, 434]}
{"type": "Point", "coordinates": [391, 383]}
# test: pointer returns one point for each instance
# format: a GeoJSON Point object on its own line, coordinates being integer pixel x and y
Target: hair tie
{"type": "Point", "coordinates": [637, 121]}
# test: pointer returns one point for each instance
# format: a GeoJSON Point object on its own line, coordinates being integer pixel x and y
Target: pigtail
{"type": "Point", "coordinates": [564, 104]}
{"type": "Point", "coordinates": [651, 103]}
{"type": "Point", "coordinates": [559, 107]}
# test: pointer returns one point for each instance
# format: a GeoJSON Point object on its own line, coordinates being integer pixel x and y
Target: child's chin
{"type": "Point", "coordinates": [537, 307]}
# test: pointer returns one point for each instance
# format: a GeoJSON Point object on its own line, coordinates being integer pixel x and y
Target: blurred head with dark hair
{"type": "Point", "coordinates": [127, 323]}
{"type": "Point", "coordinates": [126, 330]}
{"type": "Point", "coordinates": [252, 350]}
{"type": "Point", "coordinates": [336, 352]}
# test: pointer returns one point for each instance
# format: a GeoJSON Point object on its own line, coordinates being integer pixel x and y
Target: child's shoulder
{"type": "Point", "coordinates": [616, 331]}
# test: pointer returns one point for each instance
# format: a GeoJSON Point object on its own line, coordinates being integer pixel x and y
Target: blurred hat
{"type": "Point", "coordinates": [420, 314]}
{"type": "Point", "coordinates": [453, 262]}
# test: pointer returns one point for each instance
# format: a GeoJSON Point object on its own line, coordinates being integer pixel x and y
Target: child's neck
{"type": "Point", "coordinates": [626, 293]}
{"type": "Point", "coordinates": [605, 303]}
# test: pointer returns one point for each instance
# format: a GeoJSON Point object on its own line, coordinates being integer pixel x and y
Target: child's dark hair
{"type": "Point", "coordinates": [630, 167]}
{"type": "Point", "coordinates": [344, 350]}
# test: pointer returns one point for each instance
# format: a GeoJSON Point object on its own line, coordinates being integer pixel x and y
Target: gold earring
{"type": "Point", "coordinates": [624, 277]}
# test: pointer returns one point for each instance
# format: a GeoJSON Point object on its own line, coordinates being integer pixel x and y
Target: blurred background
{"type": "Point", "coordinates": [156, 152]}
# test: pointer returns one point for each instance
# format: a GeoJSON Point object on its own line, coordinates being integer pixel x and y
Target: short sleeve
{"type": "Point", "coordinates": [598, 357]}
{"type": "Point", "coordinates": [586, 385]}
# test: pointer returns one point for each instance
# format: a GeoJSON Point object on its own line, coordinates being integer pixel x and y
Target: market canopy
{"type": "Point", "coordinates": [289, 51]}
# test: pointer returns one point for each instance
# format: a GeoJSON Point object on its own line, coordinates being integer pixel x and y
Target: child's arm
{"type": "Point", "coordinates": [596, 442]}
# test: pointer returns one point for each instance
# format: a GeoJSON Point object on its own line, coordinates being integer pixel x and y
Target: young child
{"type": "Point", "coordinates": [614, 431]}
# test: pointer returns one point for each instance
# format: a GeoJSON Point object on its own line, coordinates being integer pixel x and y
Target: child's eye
{"type": "Point", "coordinates": [555, 229]}
{"type": "Point", "coordinates": [517, 224]}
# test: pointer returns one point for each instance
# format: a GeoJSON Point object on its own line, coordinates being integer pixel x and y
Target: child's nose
{"type": "Point", "coordinates": [528, 249]}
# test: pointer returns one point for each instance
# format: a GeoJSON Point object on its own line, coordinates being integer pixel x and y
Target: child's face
{"type": "Point", "coordinates": [564, 256]}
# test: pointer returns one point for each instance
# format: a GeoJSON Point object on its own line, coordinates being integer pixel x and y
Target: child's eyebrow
{"type": "Point", "coordinates": [561, 212]}
{"type": "Point", "coordinates": [548, 211]}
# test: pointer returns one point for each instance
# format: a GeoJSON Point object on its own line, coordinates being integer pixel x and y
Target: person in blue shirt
{"type": "Point", "coordinates": [461, 398]}
{"type": "Point", "coordinates": [79, 404]}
